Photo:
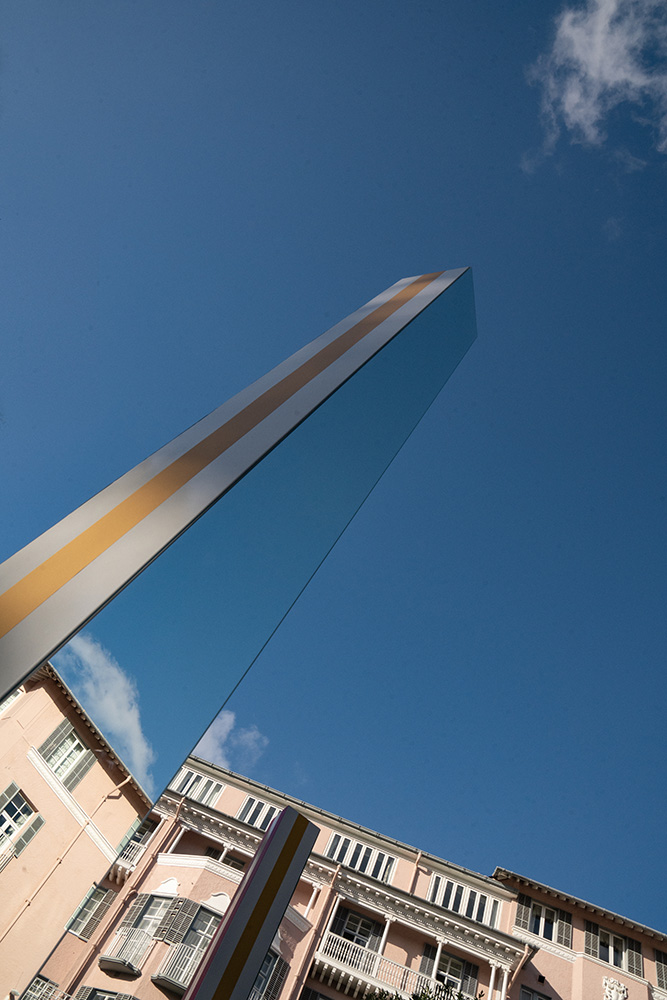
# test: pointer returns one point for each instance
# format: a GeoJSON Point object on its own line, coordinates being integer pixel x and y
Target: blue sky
{"type": "Point", "coordinates": [192, 192]}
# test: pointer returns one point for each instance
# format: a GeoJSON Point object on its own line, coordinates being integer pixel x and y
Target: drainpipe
{"type": "Point", "coordinates": [415, 873]}
{"type": "Point", "coordinates": [528, 952]}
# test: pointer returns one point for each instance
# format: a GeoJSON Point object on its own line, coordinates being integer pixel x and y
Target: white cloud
{"type": "Point", "coordinates": [605, 53]}
{"type": "Point", "coordinates": [111, 699]}
{"type": "Point", "coordinates": [223, 743]}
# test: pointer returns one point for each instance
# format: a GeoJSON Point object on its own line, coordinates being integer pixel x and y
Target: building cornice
{"type": "Point", "coordinates": [502, 874]}
{"type": "Point", "coordinates": [478, 939]}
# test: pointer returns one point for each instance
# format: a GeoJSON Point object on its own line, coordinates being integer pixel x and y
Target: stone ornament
{"type": "Point", "coordinates": [613, 990]}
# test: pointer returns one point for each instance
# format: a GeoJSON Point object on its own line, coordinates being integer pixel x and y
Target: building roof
{"type": "Point", "coordinates": [331, 819]}
{"type": "Point", "coordinates": [502, 874]}
{"type": "Point", "coordinates": [47, 670]}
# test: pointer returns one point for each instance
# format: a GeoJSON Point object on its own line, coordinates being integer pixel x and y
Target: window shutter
{"type": "Point", "coordinates": [134, 911]}
{"type": "Point", "coordinates": [591, 943]}
{"type": "Point", "coordinates": [522, 918]}
{"type": "Point", "coordinates": [8, 794]}
{"type": "Point", "coordinates": [84, 992]}
{"type": "Point", "coordinates": [564, 928]}
{"type": "Point", "coordinates": [80, 769]}
{"type": "Point", "coordinates": [95, 918]}
{"type": "Point", "coordinates": [469, 978]}
{"type": "Point", "coordinates": [338, 925]}
{"type": "Point", "coordinates": [175, 924]}
{"type": "Point", "coordinates": [125, 996]}
{"type": "Point", "coordinates": [376, 936]}
{"type": "Point", "coordinates": [29, 832]}
{"type": "Point", "coordinates": [661, 968]}
{"type": "Point", "coordinates": [58, 734]}
{"type": "Point", "coordinates": [128, 836]}
{"type": "Point", "coordinates": [276, 980]}
{"type": "Point", "coordinates": [635, 964]}
{"type": "Point", "coordinates": [427, 963]}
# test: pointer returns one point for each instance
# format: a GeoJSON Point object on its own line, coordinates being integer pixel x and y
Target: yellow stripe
{"type": "Point", "coordinates": [260, 912]}
{"type": "Point", "coordinates": [41, 583]}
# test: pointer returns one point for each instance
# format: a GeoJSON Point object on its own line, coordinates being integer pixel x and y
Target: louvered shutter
{"type": "Point", "coordinates": [80, 769]}
{"type": "Point", "coordinates": [95, 918]}
{"type": "Point", "coordinates": [661, 968]}
{"type": "Point", "coordinates": [376, 936]}
{"type": "Point", "coordinates": [175, 924]}
{"type": "Point", "coordinates": [134, 912]}
{"type": "Point", "coordinates": [635, 964]}
{"type": "Point", "coordinates": [591, 943]}
{"type": "Point", "coordinates": [28, 833]}
{"type": "Point", "coordinates": [427, 963]}
{"type": "Point", "coordinates": [340, 919]}
{"type": "Point", "coordinates": [8, 794]}
{"type": "Point", "coordinates": [522, 918]}
{"type": "Point", "coordinates": [564, 928]}
{"type": "Point", "coordinates": [56, 737]}
{"type": "Point", "coordinates": [469, 978]}
{"type": "Point", "coordinates": [84, 992]}
{"type": "Point", "coordinates": [125, 996]}
{"type": "Point", "coordinates": [129, 835]}
{"type": "Point", "coordinates": [276, 980]}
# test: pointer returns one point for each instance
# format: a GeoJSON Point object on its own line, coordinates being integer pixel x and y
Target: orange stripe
{"type": "Point", "coordinates": [260, 912]}
{"type": "Point", "coordinates": [41, 583]}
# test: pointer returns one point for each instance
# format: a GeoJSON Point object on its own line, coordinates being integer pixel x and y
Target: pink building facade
{"type": "Point", "coordinates": [369, 913]}
{"type": "Point", "coordinates": [67, 802]}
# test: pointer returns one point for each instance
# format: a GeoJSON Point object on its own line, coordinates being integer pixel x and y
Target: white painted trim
{"type": "Point", "coordinates": [296, 918]}
{"type": "Point", "coordinates": [72, 806]}
{"type": "Point", "coordinates": [201, 861]}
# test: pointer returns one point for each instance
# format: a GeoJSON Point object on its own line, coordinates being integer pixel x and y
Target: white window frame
{"type": "Point", "coordinates": [10, 828]}
{"type": "Point", "coordinates": [71, 754]}
{"type": "Point", "coordinates": [10, 699]}
{"type": "Point", "coordinates": [255, 812]}
{"type": "Point", "coordinates": [366, 860]}
{"type": "Point", "coordinates": [460, 898]}
{"type": "Point", "coordinates": [199, 787]}
{"type": "Point", "coordinates": [85, 910]}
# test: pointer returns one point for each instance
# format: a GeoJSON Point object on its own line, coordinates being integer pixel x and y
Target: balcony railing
{"type": "Point", "coordinates": [126, 862]}
{"type": "Point", "coordinates": [127, 950]}
{"type": "Point", "coordinates": [179, 966]}
{"type": "Point", "coordinates": [6, 851]}
{"type": "Point", "coordinates": [358, 963]}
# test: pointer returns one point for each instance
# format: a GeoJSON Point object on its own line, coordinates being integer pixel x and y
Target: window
{"type": "Point", "coordinates": [270, 978]}
{"type": "Point", "coordinates": [661, 968]}
{"type": "Point", "coordinates": [357, 928]}
{"type": "Point", "coordinates": [40, 988]}
{"type": "Point", "coordinates": [18, 823]}
{"type": "Point", "coordinates": [231, 860]}
{"type": "Point", "coordinates": [256, 813]}
{"type": "Point", "coordinates": [622, 952]}
{"type": "Point", "coordinates": [67, 755]}
{"type": "Point", "coordinates": [362, 858]}
{"type": "Point", "coordinates": [462, 899]}
{"type": "Point", "coordinates": [89, 913]}
{"type": "Point", "coordinates": [6, 702]}
{"type": "Point", "coordinates": [530, 995]}
{"type": "Point", "coordinates": [545, 921]}
{"type": "Point", "coordinates": [451, 971]}
{"type": "Point", "coordinates": [202, 929]}
{"type": "Point", "coordinates": [197, 786]}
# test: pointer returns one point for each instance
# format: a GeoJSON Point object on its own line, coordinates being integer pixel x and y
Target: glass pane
{"type": "Point", "coordinates": [256, 549]}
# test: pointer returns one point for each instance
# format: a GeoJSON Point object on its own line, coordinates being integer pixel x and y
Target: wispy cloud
{"type": "Point", "coordinates": [605, 53]}
{"type": "Point", "coordinates": [111, 699]}
{"type": "Point", "coordinates": [225, 744]}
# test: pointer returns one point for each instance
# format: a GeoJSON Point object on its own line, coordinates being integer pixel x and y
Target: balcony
{"type": "Point", "coordinates": [352, 968]}
{"type": "Point", "coordinates": [179, 967]}
{"type": "Point", "coordinates": [126, 862]}
{"type": "Point", "coordinates": [126, 952]}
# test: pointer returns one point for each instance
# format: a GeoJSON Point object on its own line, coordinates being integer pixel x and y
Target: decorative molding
{"type": "Point", "coordinates": [300, 922]}
{"type": "Point", "coordinates": [72, 806]}
{"type": "Point", "coordinates": [552, 949]}
{"type": "Point", "coordinates": [201, 861]}
{"type": "Point", "coordinates": [476, 939]}
{"type": "Point", "coordinates": [218, 901]}
{"type": "Point", "coordinates": [613, 989]}
{"type": "Point", "coordinates": [657, 993]}
{"type": "Point", "coordinates": [168, 888]}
